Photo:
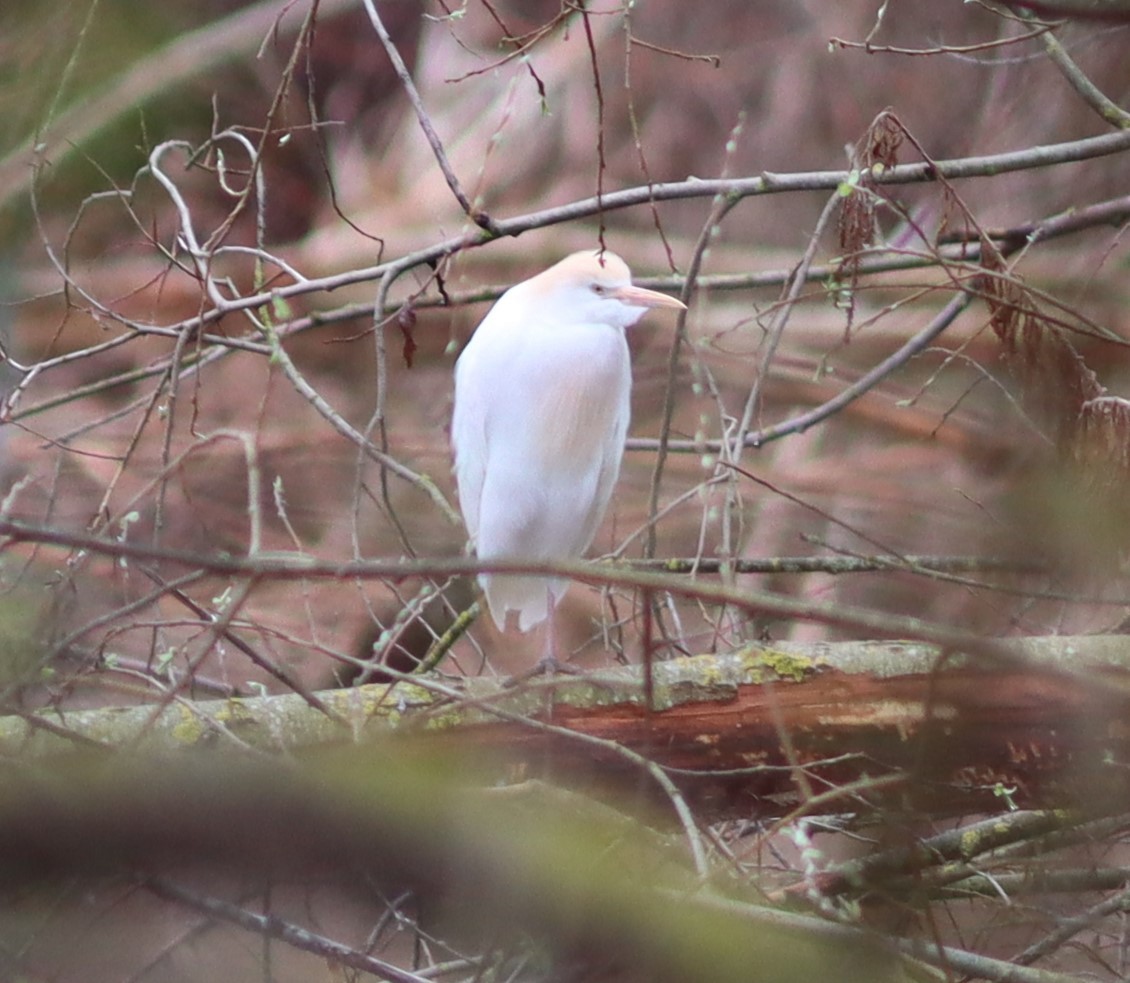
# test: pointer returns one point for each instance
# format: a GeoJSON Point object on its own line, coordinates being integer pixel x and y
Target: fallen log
{"type": "Point", "coordinates": [761, 732]}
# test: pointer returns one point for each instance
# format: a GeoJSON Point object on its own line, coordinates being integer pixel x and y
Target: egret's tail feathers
{"type": "Point", "coordinates": [529, 596]}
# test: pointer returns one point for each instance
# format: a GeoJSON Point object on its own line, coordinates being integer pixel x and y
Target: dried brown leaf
{"type": "Point", "coordinates": [879, 146]}
{"type": "Point", "coordinates": [406, 321]}
{"type": "Point", "coordinates": [1055, 382]}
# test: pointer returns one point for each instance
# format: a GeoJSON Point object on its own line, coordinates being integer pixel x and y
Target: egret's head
{"type": "Point", "coordinates": [596, 287]}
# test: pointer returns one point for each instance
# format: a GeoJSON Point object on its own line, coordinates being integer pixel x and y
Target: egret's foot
{"type": "Point", "coordinates": [546, 666]}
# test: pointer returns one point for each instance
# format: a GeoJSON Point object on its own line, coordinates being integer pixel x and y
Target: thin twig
{"type": "Point", "coordinates": [945, 957]}
{"type": "Point", "coordinates": [1090, 93]}
{"type": "Point", "coordinates": [777, 329]}
{"type": "Point", "coordinates": [943, 49]}
{"type": "Point", "coordinates": [479, 217]}
{"type": "Point", "coordinates": [1069, 927]}
{"type": "Point", "coordinates": [651, 768]}
{"type": "Point", "coordinates": [271, 926]}
{"type": "Point", "coordinates": [719, 208]}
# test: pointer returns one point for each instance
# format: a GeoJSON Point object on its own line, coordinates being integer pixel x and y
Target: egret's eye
{"type": "Point", "coordinates": [598, 289]}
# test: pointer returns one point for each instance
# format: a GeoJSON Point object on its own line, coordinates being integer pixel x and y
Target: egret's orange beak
{"type": "Point", "coordinates": [641, 297]}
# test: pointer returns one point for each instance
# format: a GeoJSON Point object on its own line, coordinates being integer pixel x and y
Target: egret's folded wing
{"type": "Point", "coordinates": [609, 473]}
{"type": "Point", "coordinates": [468, 441]}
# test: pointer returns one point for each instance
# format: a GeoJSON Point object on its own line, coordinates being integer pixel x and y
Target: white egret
{"type": "Point", "coordinates": [541, 411]}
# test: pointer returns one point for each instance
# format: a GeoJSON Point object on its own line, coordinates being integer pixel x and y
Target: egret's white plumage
{"type": "Point", "coordinates": [541, 411]}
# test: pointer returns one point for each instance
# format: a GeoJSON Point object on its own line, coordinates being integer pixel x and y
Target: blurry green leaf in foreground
{"type": "Point", "coordinates": [526, 864]}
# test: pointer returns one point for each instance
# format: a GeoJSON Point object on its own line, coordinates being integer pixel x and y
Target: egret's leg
{"type": "Point", "coordinates": [549, 649]}
{"type": "Point", "coordinates": [547, 664]}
